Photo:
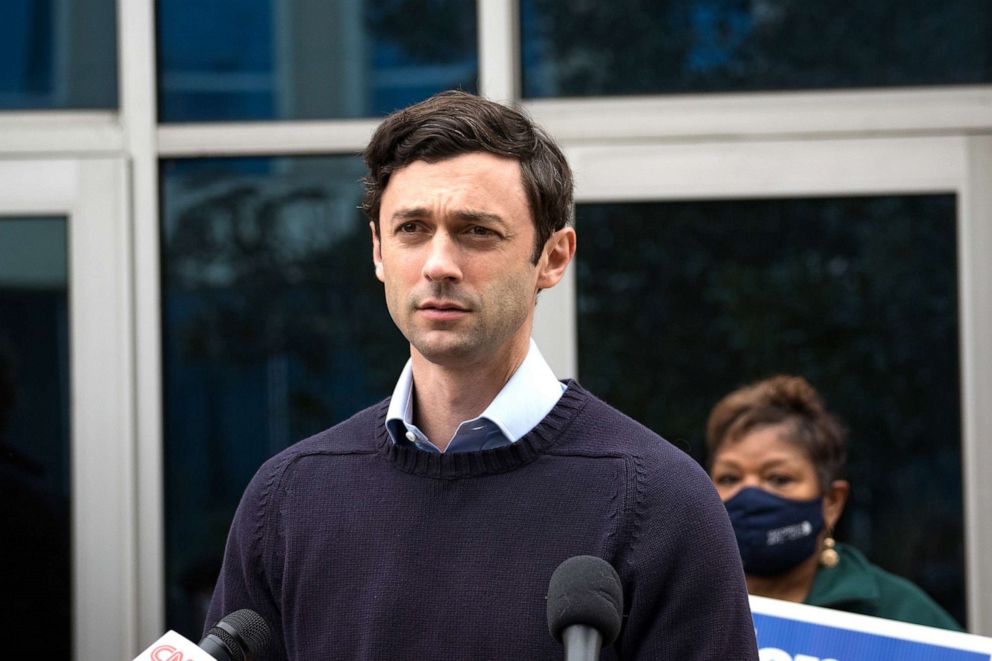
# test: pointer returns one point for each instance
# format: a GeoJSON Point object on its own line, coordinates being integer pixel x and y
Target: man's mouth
{"type": "Point", "coordinates": [442, 310]}
{"type": "Point", "coordinates": [444, 306]}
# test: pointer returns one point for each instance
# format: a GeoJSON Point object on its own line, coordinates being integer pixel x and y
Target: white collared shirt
{"type": "Point", "coordinates": [523, 402]}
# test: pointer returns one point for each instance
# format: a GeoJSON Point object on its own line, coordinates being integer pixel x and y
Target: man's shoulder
{"type": "Point", "coordinates": [359, 434]}
{"type": "Point", "coordinates": [602, 426]}
{"type": "Point", "coordinates": [303, 463]}
{"type": "Point", "coordinates": [600, 429]}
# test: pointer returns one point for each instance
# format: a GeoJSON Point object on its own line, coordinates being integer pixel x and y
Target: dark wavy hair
{"type": "Point", "coordinates": [453, 123]}
{"type": "Point", "coordinates": [788, 400]}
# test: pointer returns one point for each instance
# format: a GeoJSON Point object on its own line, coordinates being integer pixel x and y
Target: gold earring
{"type": "Point", "coordinates": [828, 554]}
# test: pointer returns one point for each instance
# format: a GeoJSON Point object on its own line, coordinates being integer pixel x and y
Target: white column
{"type": "Point", "coordinates": [499, 48]}
{"type": "Point", "coordinates": [138, 110]}
{"type": "Point", "coordinates": [975, 286]}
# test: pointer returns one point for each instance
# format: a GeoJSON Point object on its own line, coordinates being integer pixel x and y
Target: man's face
{"type": "Point", "coordinates": [454, 251]}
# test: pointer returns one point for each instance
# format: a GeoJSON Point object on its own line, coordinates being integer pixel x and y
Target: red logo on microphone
{"type": "Point", "coordinates": [168, 653]}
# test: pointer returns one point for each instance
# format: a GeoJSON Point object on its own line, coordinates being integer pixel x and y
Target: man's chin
{"type": "Point", "coordinates": [448, 351]}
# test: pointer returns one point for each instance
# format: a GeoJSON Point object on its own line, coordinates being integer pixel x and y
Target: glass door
{"type": "Point", "coordinates": [66, 422]}
{"type": "Point", "coordinates": [856, 294]}
{"type": "Point", "coordinates": [862, 264]}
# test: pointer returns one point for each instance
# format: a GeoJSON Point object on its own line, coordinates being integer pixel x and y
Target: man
{"type": "Point", "coordinates": [427, 526]}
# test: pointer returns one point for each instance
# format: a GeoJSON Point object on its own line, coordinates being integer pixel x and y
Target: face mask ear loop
{"type": "Point", "coordinates": [829, 557]}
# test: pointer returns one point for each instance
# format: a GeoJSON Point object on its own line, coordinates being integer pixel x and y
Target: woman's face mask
{"type": "Point", "coordinates": [774, 534]}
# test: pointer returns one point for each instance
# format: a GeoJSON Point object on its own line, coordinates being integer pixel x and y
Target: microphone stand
{"type": "Point", "coordinates": [582, 643]}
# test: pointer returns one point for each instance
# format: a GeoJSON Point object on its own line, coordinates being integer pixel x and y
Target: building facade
{"type": "Point", "coordinates": [186, 283]}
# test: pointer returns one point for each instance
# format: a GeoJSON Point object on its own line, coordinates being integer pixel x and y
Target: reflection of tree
{"type": "Point", "coordinates": [638, 47]}
{"type": "Point", "coordinates": [271, 273]}
{"type": "Point", "coordinates": [275, 328]}
{"type": "Point", "coordinates": [857, 295]}
{"type": "Point", "coordinates": [444, 32]}
{"type": "Point", "coordinates": [419, 48]}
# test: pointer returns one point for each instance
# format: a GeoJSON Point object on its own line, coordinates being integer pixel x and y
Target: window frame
{"type": "Point", "coordinates": [91, 194]}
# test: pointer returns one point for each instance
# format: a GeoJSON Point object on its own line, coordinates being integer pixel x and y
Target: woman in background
{"type": "Point", "coordinates": [778, 460]}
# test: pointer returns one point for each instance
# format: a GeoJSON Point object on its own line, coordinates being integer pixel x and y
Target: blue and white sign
{"type": "Point", "coordinates": [795, 632]}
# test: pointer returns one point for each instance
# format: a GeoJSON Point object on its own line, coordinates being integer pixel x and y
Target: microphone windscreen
{"type": "Point", "coordinates": [244, 633]}
{"type": "Point", "coordinates": [585, 590]}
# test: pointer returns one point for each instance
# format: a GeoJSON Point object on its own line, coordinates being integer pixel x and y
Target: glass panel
{"type": "Point", "coordinates": [310, 59]}
{"type": "Point", "coordinates": [858, 295]}
{"type": "Point", "coordinates": [683, 46]}
{"type": "Point", "coordinates": [34, 436]}
{"type": "Point", "coordinates": [57, 54]}
{"type": "Point", "coordinates": [275, 328]}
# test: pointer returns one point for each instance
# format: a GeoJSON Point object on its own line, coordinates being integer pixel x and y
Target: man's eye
{"type": "Point", "coordinates": [478, 230]}
{"type": "Point", "coordinates": [407, 227]}
{"type": "Point", "coordinates": [725, 480]}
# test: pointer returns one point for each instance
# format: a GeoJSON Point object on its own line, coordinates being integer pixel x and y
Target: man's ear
{"type": "Point", "coordinates": [558, 252]}
{"type": "Point", "coordinates": [376, 253]}
{"type": "Point", "coordinates": [833, 502]}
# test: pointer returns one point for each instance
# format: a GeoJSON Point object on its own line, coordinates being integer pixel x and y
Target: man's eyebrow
{"type": "Point", "coordinates": [474, 216]}
{"type": "Point", "coordinates": [411, 213]}
{"type": "Point", "coordinates": [464, 215]}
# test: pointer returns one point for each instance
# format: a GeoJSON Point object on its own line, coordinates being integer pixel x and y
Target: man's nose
{"type": "Point", "coordinates": [442, 261]}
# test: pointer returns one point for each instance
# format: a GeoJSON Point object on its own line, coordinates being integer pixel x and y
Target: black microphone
{"type": "Point", "coordinates": [585, 606]}
{"type": "Point", "coordinates": [240, 636]}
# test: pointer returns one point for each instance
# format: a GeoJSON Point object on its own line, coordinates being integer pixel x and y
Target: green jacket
{"type": "Point", "coordinates": [857, 586]}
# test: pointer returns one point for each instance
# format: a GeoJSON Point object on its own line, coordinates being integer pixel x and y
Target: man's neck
{"type": "Point", "coordinates": [446, 395]}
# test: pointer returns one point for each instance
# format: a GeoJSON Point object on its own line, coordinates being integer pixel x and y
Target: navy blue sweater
{"type": "Point", "coordinates": [352, 547]}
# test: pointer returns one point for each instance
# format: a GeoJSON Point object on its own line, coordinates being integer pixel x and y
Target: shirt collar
{"type": "Point", "coordinates": [522, 403]}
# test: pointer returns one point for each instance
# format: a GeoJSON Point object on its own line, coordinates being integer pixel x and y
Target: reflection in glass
{"type": "Point", "coordinates": [685, 46]}
{"type": "Point", "coordinates": [35, 555]}
{"type": "Point", "coordinates": [57, 54]}
{"type": "Point", "coordinates": [856, 294]}
{"type": "Point", "coordinates": [309, 59]}
{"type": "Point", "coordinates": [275, 328]}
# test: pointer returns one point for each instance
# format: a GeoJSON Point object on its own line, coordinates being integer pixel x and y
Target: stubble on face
{"type": "Point", "coordinates": [494, 316]}
{"type": "Point", "coordinates": [493, 281]}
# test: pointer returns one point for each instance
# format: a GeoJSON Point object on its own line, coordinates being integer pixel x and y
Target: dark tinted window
{"type": "Point", "coordinates": [275, 328]}
{"type": "Point", "coordinates": [680, 303]}
{"type": "Point", "coordinates": [300, 59]}
{"type": "Point", "coordinates": [34, 436]}
{"type": "Point", "coordinates": [683, 46]}
{"type": "Point", "coordinates": [56, 54]}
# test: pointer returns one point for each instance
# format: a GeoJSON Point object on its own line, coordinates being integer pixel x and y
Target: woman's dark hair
{"type": "Point", "coordinates": [453, 123]}
{"type": "Point", "coordinates": [786, 400]}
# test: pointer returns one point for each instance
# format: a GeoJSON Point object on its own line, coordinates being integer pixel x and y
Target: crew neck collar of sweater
{"type": "Point", "coordinates": [457, 465]}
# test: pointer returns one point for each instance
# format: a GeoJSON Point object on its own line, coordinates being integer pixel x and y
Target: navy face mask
{"type": "Point", "coordinates": [774, 533]}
